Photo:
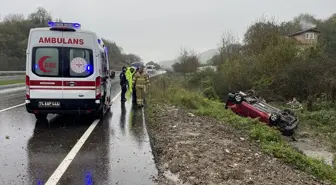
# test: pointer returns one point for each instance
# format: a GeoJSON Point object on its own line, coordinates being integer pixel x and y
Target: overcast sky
{"type": "Point", "coordinates": [157, 29]}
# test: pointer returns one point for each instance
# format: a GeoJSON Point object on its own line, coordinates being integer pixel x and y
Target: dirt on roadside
{"type": "Point", "coordinates": [191, 149]}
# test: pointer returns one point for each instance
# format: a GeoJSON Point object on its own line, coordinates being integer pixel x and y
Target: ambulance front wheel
{"type": "Point", "coordinates": [40, 116]}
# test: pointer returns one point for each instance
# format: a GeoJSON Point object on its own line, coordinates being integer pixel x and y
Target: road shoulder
{"type": "Point", "coordinates": [200, 150]}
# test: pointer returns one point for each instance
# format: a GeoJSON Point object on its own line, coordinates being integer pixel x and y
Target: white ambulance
{"type": "Point", "coordinates": [67, 72]}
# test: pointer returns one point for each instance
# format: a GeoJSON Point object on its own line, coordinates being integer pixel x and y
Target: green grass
{"type": "Point", "coordinates": [170, 89]}
{"type": "Point", "coordinates": [8, 82]}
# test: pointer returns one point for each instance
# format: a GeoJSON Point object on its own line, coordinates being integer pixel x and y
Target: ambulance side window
{"type": "Point", "coordinates": [103, 62]}
{"type": "Point", "coordinates": [45, 61]}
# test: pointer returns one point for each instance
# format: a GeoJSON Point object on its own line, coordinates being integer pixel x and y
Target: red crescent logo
{"type": "Point", "coordinates": [41, 64]}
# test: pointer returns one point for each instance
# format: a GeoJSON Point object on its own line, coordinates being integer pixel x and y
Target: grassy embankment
{"type": "Point", "coordinates": [9, 82]}
{"type": "Point", "coordinates": [170, 89]}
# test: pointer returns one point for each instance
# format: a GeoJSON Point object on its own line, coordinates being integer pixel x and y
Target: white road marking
{"type": "Point", "coordinates": [143, 115]}
{"type": "Point", "coordinates": [10, 90]}
{"type": "Point", "coordinates": [15, 106]}
{"type": "Point", "coordinates": [58, 173]}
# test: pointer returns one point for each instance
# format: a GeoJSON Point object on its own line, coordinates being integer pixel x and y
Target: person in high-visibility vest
{"type": "Point", "coordinates": [134, 90]}
{"type": "Point", "coordinates": [141, 82]}
{"type": "Point", "coordinates": [129, 75]}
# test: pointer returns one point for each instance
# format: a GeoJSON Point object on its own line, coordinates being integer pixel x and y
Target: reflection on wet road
{"type": "Point", "coordinates": [117, 151]}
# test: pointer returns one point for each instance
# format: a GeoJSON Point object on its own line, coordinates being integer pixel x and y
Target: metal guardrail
{"type": "Point", "coordinates": [12, 73]}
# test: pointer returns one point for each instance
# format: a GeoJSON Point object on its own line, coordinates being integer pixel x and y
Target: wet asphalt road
{"type": "Point", "coordinates": [116, 152]}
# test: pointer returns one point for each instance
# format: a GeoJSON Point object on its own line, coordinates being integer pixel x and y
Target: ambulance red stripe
{"type": "Point", "coordinates": [60, 83]}
{"type": "Point", "coordinates": [80, 83]}
{"type": "Point", "coordinates": [65, 88]}
{"type": "Point", "coordinates": [45, 83]}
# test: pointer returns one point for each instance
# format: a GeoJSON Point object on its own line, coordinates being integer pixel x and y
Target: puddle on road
{"type": "Point", "coordinates": [313, 152]}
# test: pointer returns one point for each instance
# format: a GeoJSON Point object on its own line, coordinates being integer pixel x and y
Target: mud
{"type": "Point", "coordinates": [190, 149]}
{"type": "Point", "coordinates": [309, 148]}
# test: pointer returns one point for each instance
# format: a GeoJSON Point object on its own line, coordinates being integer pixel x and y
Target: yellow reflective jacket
{"type": "Point", "coordinates": [129, 78]}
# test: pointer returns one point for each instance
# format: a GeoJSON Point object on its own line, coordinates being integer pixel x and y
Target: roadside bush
{"type": "Point", "coordinates": [210, 93]}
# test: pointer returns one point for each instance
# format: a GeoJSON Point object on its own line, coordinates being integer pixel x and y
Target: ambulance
{"type": "Point", "coordinates": [67, 72]}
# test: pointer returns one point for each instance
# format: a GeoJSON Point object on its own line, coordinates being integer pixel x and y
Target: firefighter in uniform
{"type": "Point", "coordinates": [141, 82]}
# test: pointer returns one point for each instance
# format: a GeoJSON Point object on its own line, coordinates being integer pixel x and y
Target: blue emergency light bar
{"type": "Point", "coordinates": [64, 25]}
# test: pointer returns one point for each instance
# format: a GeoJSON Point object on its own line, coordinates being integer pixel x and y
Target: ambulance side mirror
{"type": "Point", "coordinates": [112, 74]}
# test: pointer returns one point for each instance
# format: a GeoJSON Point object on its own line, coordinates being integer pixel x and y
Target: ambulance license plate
{"type": "Point", "coordinates": [49, 104]}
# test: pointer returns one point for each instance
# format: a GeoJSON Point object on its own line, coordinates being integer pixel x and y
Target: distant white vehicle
{"type": "Point", "coordinates": [150, 69]}
{"type": "Point", "coordinates": [199, 69]}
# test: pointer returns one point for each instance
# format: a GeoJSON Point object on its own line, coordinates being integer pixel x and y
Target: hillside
{"type": "Point", "coordinates": [207, 55]}
{"type": "Point", "coordinates": [203, 57]}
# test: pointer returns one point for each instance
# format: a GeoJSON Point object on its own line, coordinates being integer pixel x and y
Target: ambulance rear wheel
{"type": "Point", "coordinates": [40, 116]}
{"type": "Point", "coordinates": [100, 113]}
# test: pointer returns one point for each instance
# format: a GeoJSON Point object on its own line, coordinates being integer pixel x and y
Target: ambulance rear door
{"type": "Point", "coordinates": [44, 68]}
{"type": "Point", "coordinates": [80, 72]}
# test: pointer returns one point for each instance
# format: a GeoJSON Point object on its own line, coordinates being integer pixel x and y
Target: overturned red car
{"type": "Point", "coordinates": [249, 105]}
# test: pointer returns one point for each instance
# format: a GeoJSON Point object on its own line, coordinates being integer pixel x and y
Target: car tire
{"type": "Point", "coordinates": [238, 98]}
{"type": "Point", "coordinates": [290, 112]}
{"type": "Point", "coordinates": [274, 117]}
{"type": "Point", "coordinates": [251, 92]}
{"type": "Point", "coordinates": [40, 116]}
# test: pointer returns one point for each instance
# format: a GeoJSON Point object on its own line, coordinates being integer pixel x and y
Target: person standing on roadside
{"type": "Point", "coordinates": [141, 81]}
{"type": "Point", "coordinates": [129, 75]}
{"type": "Point", "coordinates": [123, 83]}
{"type": "Point", "coordinates": [133, 87]}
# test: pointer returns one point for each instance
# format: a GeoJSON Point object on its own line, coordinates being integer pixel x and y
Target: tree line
{"type": "Point", "coordinates": [274, 64]}
{"type": "Point", "coordinates": [14, 32]}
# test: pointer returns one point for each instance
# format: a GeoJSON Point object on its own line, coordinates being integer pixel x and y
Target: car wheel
{"type": "Point", "coordinates": [290, 112]}
{"type": "Point", "coordinates": [238, 98]}
{"type": "Point", "coordinates": [251, 92]}
{"type": "Point", "coordinates": [274, 117]}
{"type": "Point", "coordinates": [40, 116]}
